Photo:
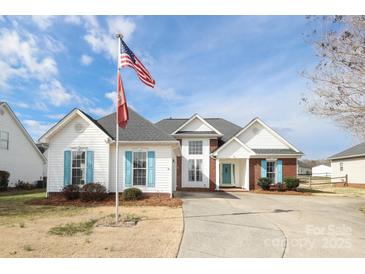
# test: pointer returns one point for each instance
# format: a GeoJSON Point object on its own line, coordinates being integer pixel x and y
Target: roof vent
{"type": "Point", "coordinates": [79, 127]}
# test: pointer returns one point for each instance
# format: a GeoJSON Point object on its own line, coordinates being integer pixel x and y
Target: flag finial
{"type": "Point", "coordinates": [119, 35]}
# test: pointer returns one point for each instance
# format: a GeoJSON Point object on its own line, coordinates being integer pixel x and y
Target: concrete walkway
{"type": "Point", "coordinates": [258, 225]}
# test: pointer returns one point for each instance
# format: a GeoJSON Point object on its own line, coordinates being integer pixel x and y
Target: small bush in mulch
{"type": "Point", "coordinates": [4, 180]}
{"type": "Point", "coordinates": [71, 192]}
{"type": "Point", "coordinates": [71, 229]}
{"type": "Point", "coordinates": [291, 183]}
{"type": "Point", "coordinates": [264, 183]}
{"type": "Point", "coordinates": [24, 186]}
{"type": "Point", "coordinates": [93, 192]}
{"type": "Point", "coordinates": [132, 194]}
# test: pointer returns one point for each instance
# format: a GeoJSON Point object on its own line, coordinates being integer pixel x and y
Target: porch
{"type": "Point", "coordinates": [232, 174]}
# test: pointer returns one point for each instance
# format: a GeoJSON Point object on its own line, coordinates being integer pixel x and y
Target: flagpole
{"type": "Point", "coordinates": [118, 36]}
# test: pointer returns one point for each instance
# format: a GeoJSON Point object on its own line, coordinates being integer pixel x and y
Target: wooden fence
{"type": "Point", "coordinates": [313, 181]}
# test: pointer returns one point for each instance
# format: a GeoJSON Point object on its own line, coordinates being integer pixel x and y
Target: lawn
{"type": "Point", "coordinates": [74, 231]}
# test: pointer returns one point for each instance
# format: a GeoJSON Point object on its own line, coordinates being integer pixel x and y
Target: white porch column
{"type": "Point", "coordinates": [217, 176]}
{"type": "Point", "coordinates": [247, 175]}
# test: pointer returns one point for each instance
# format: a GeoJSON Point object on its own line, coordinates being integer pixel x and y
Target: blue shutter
{"type": "Point", "coordinates": [263, 168]}
{"type": "Point", "coordinates": [89, 167]}
{"type": "Point", "coordinates": [151, 169]}
{"type": "Point", "coordinates": [67, 167]}
{"type": "Point", "coordinates": [279, 171]}
{"type": "Point", "coordinates": [128, 169]}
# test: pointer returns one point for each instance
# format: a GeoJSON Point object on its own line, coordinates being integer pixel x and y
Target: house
{"type": "Point", "coordinates": [173, 154]}
{"type": "Point", "coordinates": [304, 168]}
{"type": "Point", "coordinates": [19, 155]}
{"type": "Point", "coordinates": [350, 162]}
{"type": "Point", "coordinates": [322, 170]}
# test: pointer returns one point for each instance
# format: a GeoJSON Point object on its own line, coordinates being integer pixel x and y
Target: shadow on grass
{"type": "Point", "coordinates": [311, 190]}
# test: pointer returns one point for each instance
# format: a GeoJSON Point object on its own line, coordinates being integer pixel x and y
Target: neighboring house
{"type": "Point", "coordinates": [350, 162]}
{"type": "Point", "coordinates": [173, 154]}
{"type": "Point", "coordinates": [304, 168]}
{"type": "Point", "coordinates": [18, 153]}
{"type": "Point", "coordinates": [322, 170]}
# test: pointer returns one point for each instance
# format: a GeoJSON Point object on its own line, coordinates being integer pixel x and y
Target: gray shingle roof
{"type": "Point", "coordinates": [137, 129]}
{"type": "Point", "coordinates": [225, 127]}
{"type": "Point", "coordinates": [275, 151]}
{"type": "Point", "coordinates": [350, 152]}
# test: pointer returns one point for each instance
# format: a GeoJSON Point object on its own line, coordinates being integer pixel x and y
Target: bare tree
{"type": "Point", "coordinates": [337, 83]}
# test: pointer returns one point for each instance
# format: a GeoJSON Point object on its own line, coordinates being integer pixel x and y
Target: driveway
{"type": "Point", "coordinates": [259, 225]}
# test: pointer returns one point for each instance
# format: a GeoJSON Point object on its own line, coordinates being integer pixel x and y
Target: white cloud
{"type": "Point", "coordinates": [36, 128]}
{"type": "Point", "coordinates": [21, 57]}
{"type": "Point", "coordinates": [98, 111]}
{"type": "Point", "coordinates": [43, 21]}
{"type": "Point", "coordinates": [86, 60]}
{"type": "Point", "coordinates": [54, 93]}
{"type": "Point", "coordinates": [101, 39]}
{"type": "Point", "coordinates": [55, 116]}
{"type": "Point", "coordinates": [73, 19]}
{"type": "Point", "coordinates": [52, 44]}
{"type": "Point", "coordinates": [167, 93]}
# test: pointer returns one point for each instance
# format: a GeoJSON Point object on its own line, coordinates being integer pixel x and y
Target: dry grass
{"type": "Point", "coordinates": [335, 190]}
{"type": "Point", "coordinates": [157, 233]}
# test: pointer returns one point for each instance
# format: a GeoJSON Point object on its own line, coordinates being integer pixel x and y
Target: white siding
{"type": "Point", "coordinates": [184, 165]}
{"type": "Point", "coordinates": [354, 168]}
{"type": "Point", "coordinates": [68, 138]}
{"type": "Point", "coordinates": [259, 137]}
{"type": "Point", "coordinates": [163, 167]}
{"type": "Point", "coordinates": [233, 150]}
{"type": "Point", "coordinates": [196, 125]}
{"type": "Point", "coordinates": [22, 160]}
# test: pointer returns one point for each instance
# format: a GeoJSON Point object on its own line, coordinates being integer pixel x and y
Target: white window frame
{"type": "Point", "coordinates": [341, 166]}
{"type": "Point", "coordinates": [72, 166]}
{"type": "Point", "coordinates": [146, 168]}
{"type": "Point", "coordinates": [6, 140]}
{"type": "Point", "coordinates": [195, 171]}
{"type": "Point", "coordinates": [275, 169]}
{"type": "Point", "coordinates": [190, 145]}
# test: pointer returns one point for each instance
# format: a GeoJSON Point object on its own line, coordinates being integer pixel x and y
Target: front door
{"type": "Point", "coordinates": [226, 174]}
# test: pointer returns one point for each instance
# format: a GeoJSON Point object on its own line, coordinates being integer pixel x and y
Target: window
{"type": "Point", "coordinates": [78, 167]}
{"type": "Point", "coordinates": [139, 168]}
{"type": "Point", "coordinates": [270, 170]}
{"type": "Point", "coordinates": [195, 147]}
{"type": "Point", "coordinates": [341, 166]}
{"type": "Point", "coordinates": [4, 139]}
{"type": "Point", "coordinates": [195, 170]}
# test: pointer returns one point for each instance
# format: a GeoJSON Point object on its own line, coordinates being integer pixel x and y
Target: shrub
{"type": "Point", "coordinates": [131, 194]}
{"type": "Point", "coordinates": [264, 183]}
{"type": "Point", "coordinates": [71, 192]}
{"type": "Point", "coordinates": [24, 186]}
{"type": "Point", "coordinates": [93, 192]}
{"type": "Point", "coordinates": [4, 180]}
{"type": "Point", "coordinates": [291, 183]}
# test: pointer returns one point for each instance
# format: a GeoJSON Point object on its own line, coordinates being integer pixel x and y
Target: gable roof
{"type": "Point", "coordinates": [355, 151]}
{"type": "Point", "coordinates": [292, 150]}
{"type": "Point", "coordinates": [228, 129]}
{"type": "Point", "coordinates": [22, 128]}
{"type": "Point", "coordinates": [192, 118]}
{"type": "Point", "coordinates": [137, 129]}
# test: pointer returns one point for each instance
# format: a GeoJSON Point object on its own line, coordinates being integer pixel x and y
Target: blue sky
{"type": "Point", "coordinates": [235, 67]}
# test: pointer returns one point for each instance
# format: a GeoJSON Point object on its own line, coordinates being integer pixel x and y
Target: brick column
{"type": "Point", "coordinates": [255, 172]}
{"type": "Point", "coordinates": [213, 145]}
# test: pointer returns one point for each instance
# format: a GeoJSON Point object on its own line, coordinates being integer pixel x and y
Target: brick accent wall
{"type": "Point", "coordinates": [255, 172]}
{"type": "Point", "coordinates": [289, 170]}
{"type": "Point", "coordinates": [213, 144]}
{"type": "Point", "coordinates": [289, 167]}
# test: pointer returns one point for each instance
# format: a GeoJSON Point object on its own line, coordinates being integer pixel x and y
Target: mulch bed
{"type": "Point", "coordinates": [288, 192]}
{"type": "Point", "coordinates": [110, 201]}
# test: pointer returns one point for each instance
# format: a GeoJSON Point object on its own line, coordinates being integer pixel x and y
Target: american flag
{"type": "Point", "coordinates": [128, 59]}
